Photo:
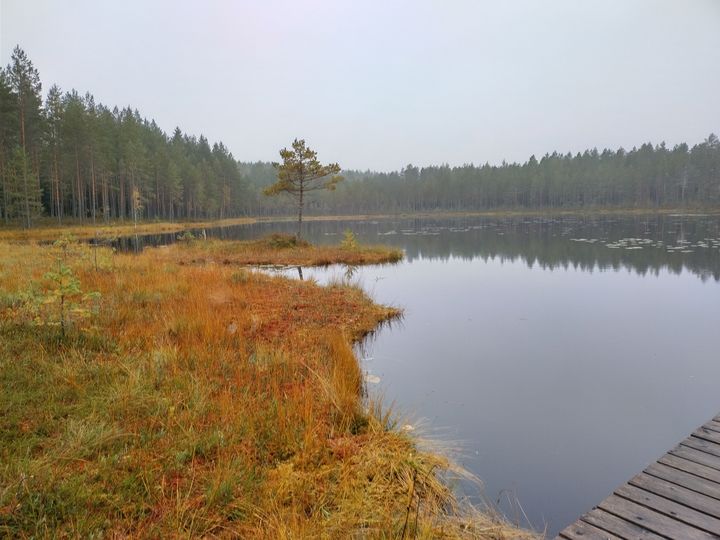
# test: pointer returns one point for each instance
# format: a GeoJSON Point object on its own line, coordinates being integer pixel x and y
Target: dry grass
{"type": "Point", "coordinates": [49, 230]}
{"type": "Point", "coordinates": [204, 400]}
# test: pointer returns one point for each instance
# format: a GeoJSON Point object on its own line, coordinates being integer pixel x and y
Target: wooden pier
{"type": "Point", "coordinates": [678, 496]}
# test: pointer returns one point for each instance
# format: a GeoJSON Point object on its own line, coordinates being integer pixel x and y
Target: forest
{"type": "Point", "coordinates": [648, 177]}
{"type": "Point", "coordinates": [65, 156]}
{"type": "Point", "coordinates": [68, 156]}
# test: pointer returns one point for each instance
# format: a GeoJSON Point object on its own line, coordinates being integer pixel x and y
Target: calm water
{"type": "Point", "coordinates": [559, 356]}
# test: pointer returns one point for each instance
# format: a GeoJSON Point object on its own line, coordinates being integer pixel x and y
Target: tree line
{"type": "Point", "coordinates": [651, 176]}
{"type": "Point", "coordinates": [66, 156]}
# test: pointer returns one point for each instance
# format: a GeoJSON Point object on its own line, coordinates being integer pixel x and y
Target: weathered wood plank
{"type": "Point", "coordinates": [697, 456]}
{"type": "Point", "coordinates": [670, 508]}
{"type": "Point", "coordinates": [707, 434]}
{"type": "Point", "coordinates": [686, 480]}
{"type": "Point", "coordinates": [679, 494]}
{"type": "Point", "coordinates": [702, 444]}
{"type": "Point", "coordinates": [691, 467]}
{"type": "Point", "coordinates": [651, 520]}
{"type": "Point", "coordinates": [618, 526]}
{"type": "Point", "coordinates": [584, 531]}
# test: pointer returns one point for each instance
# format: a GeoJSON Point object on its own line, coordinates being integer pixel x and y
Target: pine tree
{"type": "Point", "coordinates": [25, 83]}
{"type": "Point", "coordinates": [8, 140]}
{"type": "Point", "coordinates": [300, 173]}
{"type": "Point", "coordinates": [54, 111]}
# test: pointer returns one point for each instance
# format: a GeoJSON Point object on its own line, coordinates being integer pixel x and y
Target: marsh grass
{"type": "Point", "coordinates": [210, 401]}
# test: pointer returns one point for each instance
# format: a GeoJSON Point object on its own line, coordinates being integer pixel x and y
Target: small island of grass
{"type": "Point", "coordinates": [285, 250]}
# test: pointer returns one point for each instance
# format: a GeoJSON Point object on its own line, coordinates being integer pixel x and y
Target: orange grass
{"type": "Point", "coordinates": [48, 229]}
{"type": "Point", "coordinates": [205, 400]}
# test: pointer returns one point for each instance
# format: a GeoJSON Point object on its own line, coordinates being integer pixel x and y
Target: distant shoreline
{"type": "Point", "coordinates": [47, 229]}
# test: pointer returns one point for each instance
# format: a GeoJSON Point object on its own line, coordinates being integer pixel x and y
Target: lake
{"type": "Point", "coordinates": [557, 357]}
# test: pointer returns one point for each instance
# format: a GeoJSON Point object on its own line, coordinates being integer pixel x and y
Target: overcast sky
{"type": "Point", "coordinates": [379, 84]}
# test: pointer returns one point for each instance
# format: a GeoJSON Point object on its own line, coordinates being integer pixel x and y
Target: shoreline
{"type": "Point", "coordinates": [209, 399]}
{"type": "Point", "coordinates": [49, 230]}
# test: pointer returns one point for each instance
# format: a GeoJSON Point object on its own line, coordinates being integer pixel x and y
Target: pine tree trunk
{"type": "Point", "coordinates": [121, 199]}
{"type": "Point", "coordinates": [25, 179]}
{"type": "Point", "coordinates": [3, 173]}
{"type": "Point", "coordinates": [94, 196]}
{"type": "Point", "coordinates": [105, 198]}
{"type": "Point", "coordinates": [58, 201]}
{"type": "Point", "coordinates": [300, 212]}
{"type": "Point", "coordinates": [78, 187]}
{"type": "Point", "coordinates": [157, 195]}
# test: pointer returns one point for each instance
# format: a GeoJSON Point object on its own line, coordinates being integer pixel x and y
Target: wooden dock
{"type": "Point", "coordinates": [678, 496]}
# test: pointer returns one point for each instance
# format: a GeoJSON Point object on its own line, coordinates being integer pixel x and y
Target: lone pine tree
{"type": "Point", "coordinates": [301, 172]}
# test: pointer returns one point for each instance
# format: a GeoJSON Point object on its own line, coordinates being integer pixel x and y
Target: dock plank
{"type": "Point", "coordinates": [678, 496]}
{"type": "Point", "coordinates": [584, 531]}
{"type": "Point", "coordinates": [671, 509]}
{"type": "Point", "coordinates": [686, 480]}
{"type": "Point", "coordinates": [676, 493]}
{"type": "Point", "coordinates": [697, 456]}
{"type": "Point", "coordinates": [652, 520]}
{"type": "Point", "coordinates": [618, 526]}
{"type": "Point", "coordinates": [708, 435]}
{"type": "Point", "coordinates": [691, 467]}
{"type": "Point", "coordinates": [703, 445]}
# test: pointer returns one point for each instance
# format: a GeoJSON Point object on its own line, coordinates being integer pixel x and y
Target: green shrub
{"type": "Point", "coordinates": [60, 301]}
{"type": "Point", "coordinates": [349, 240]}
{"type": "Point", "coordinates": [285, 241]}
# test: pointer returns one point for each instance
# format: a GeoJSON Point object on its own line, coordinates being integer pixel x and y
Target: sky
{"type": "Point", "coordinates": [378, 84]}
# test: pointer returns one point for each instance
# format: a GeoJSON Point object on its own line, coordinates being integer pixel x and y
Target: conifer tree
{"type": "Point", "coordinates": [8, 140]}
{"type": "Point", "coordinates": [300, 173]}
{"type": "Point", "coordinates": [25, 84]}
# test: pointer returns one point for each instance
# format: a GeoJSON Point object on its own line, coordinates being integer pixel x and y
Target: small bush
{"type": "Point", "coordinates": [349, 240]}
{"type": "Point", "coordinates": [186, 237]}
{"type": "Point", "coordinates": [60, 300]}
{"type": "Point", "coordinates": [285, 241]}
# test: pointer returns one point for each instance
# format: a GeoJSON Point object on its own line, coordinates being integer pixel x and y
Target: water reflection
{"type": "Point", "coordinates": [555, 385]}
{"type": "Point", "coordinates": [645, 245]}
